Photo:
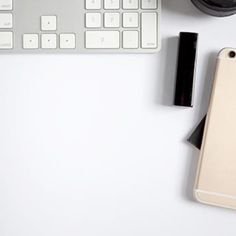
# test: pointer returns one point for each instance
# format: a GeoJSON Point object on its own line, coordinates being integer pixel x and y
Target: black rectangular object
{"type": "Point", "coordinates": [186, 69]}
{"type": "Point", "coordinates": [197, 136]}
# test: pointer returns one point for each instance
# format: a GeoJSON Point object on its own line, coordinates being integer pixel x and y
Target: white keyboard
{"type": "Point", "coordinates": [79, 26]}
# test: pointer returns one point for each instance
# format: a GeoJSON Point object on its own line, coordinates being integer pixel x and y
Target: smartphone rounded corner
{"type": "Point", "coordinates": [197, 196]}
{"type": "Point", "coordinates": [227, 53]}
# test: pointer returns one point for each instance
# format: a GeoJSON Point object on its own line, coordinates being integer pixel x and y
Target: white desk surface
{"type": "Point", "coordinates": [91, 145]}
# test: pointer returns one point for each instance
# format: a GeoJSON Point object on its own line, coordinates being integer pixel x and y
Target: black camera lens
{"type": "Point", "coordinates": [218, 8]}
{"type": "Point", "coordinates": [221, 3]}
{"type": "Point", "coordinates": [232, 54]}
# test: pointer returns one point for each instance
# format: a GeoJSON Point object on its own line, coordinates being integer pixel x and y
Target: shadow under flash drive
{"type": "Point", "coordinates": [186, 69]}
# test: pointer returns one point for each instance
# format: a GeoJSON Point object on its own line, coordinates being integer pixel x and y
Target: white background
{"type": "Point", "coordinates": [91, 145]}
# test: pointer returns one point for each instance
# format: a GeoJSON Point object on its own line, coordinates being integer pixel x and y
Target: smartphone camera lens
{"type": "Point", "coordinates": [232, 54]}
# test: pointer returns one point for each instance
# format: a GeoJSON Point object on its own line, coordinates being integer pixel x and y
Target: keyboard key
{"type": "Point", "coordinates": [130, 4]}
{"type": "Point", "coordinates": [130, 39]}
{"type": "Point", "coordinates": [149, 30]}
{"type": "Point", "coordinates": [112, 20]}
{"type": "Point", "coordinates": [48, 23]}
{"type": "Point", "coordinates": [30, 41]}
{"type": "Point", "coordinates": [49, 41]}
{"type": "Point", "coordinates": [5, 5]}
{"type": "Point", "coordinates": [102, 39]}
{"type": "Point", "coordinates": [112, 4]}
{"type": "Point", "coordinates": [5, 21]}
{"type": "Point", "coordinates": [130, 20]}
{"type": "Point", "coordinates": [93, 20]}
{"type": "Point", "coordinates": [149, 4]}
{"type": "Point", "coordinates": [93, 4]}
{"type": "Point", "coordinates": [67, 41]}
{"type": "Point", "coordinates": [6, 40]}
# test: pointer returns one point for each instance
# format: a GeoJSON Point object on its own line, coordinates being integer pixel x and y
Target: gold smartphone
{"type": "Point", "coordinates": [216, 175]}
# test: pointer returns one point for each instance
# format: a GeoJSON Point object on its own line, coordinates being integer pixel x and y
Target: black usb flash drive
{"type": "Point", "coordinates": [186, 69]}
